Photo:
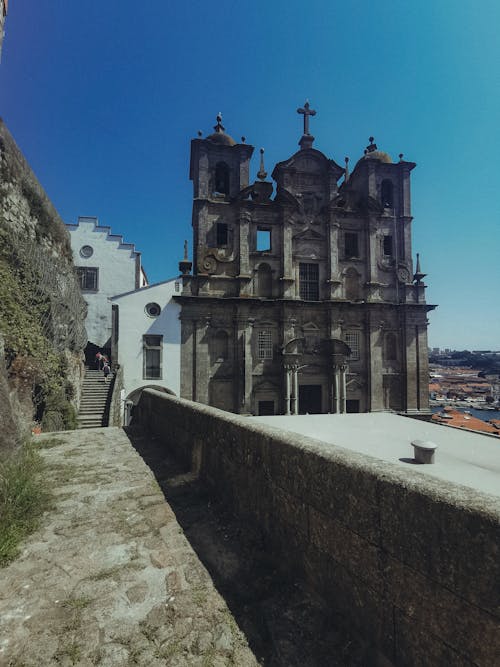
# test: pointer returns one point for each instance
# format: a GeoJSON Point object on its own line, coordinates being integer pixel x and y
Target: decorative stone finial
{"type": "Point", "coordinates": [200, 133]}
{"type": "Point", "coordinates": [262, 173]}
{"type": "Point", "coordinates": [346, 175]}
{"type": "Point", "coordinates": [401, 157]}
{"type": "Point", "coordinates": [219, 127]}
{"type": "Point", "coordinates": [418, 275]}
{"type": "Point", "coordinates": [185, 265]}
{"type": "Point", "coordinates": [243, 139]}
{"type": "Point", "coordinates": [371, 146]}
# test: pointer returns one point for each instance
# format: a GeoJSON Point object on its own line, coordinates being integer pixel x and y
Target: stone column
{"type": "Point", "coordinates": [202, 359]}
{"type": "Point", "coordinates": [333, 255]}
{"type": "Point", "coordinates": [411, 339]}
{"type": "Point", "coordinates": [336, 392]}
{"type": "Point", "coordinates": [405, 250]}
{"type": "Point", "coordinates": [288, 276]}
{"type": "Point", "coordinates": [406, 208]}
{"type": "Point", "coordinates": [288, 374]}
{"type": "Point", "coordinates": [188, 357]}
{"type": "Point", "coordinates": [246, 405]}
{"type": "Point", "coordinates": [244, 250]}
{"type": "Point", "coordinates": [422, 364]}
{"type": "Point", "coordinates": [343, 388]}
{"type": "Point", "coordinates": [375, 372]}
{"type": "Point", "coordinates": [295, 399]}
{"type": "Point", "coordinates": [371, 260]}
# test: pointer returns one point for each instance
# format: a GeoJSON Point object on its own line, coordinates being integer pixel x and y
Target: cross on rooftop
{"type": "Point", "coordinates": [306, 112]}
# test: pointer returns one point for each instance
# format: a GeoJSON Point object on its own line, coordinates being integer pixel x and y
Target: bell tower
{"type": "Point", "coordinates": [219, 166]}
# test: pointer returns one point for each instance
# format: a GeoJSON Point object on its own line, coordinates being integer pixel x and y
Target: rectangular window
{"type": "Point", "coordinates": [222, 234]}
{"type": "Point", "coordinates": [265, 344]}
{"type": "Point", "coordinates": [88, 278]}
{"type": "Point", "coordinates": [152, 353]}
{"type": "Point", "coordinates": [351, 246]}
{"type": "Point", "coordinates": [309, 282]}
{"type": "Point", "coordinates": [388, 245]}
{"type": "Point", "coordinates": [352, 339]}
{"type": "Point", "coordinates": [263, 240]}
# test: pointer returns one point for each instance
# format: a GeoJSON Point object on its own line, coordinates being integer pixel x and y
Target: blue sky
{"type": "Point", "coordinates": [103, 99]}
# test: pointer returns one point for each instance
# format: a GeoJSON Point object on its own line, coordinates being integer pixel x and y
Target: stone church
{"type": "Point", "coordinates": [302, 296]}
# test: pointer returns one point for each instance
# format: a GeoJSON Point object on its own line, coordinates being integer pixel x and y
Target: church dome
{"type": "Point", "coordinates": [372, 153]}
{"type": "Point", "coordinates": [379, 155]}
{"type": "Point", "coordinates": [219, 136]}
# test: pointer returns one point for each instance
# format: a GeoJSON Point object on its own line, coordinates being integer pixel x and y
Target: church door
{"type": "Point", "coordinates": [310, 399]}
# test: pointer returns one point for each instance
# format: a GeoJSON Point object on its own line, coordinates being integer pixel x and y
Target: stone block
{"type": "Point", "coordinates": [417, 647]}
{"type": "Point", "coordinates": [438, 535]}
{"type": "Point", "coordinates": [430, 607]}
{"type": "Point", "coordinates": [360, 557]}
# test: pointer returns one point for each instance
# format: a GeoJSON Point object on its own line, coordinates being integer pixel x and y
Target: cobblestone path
{"type": "Point", "coordinates": [109, 578]}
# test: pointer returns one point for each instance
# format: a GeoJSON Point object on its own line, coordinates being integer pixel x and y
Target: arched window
{"type": "Point", "coordinates": [264, 281]}
{"type": "Point", "coordinates": [221, 178]}
{"type": "Point", "coordinates": [220, 346]}
{"type": "Point", "coordinates": [390, 347]}
{"type": "Point", "coordinates": [351, 285]}
{"type": "Point", "coordinates": [387, 194]}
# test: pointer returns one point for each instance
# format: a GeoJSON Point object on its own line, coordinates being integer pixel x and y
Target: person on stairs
{"type": "Point", "coordinates": [106, 370]}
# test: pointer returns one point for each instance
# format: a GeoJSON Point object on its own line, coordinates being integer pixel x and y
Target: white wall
{"type": "Point", "coordinates": [134, 323]}
{"type": "Point", "coordinates": [116, 262]}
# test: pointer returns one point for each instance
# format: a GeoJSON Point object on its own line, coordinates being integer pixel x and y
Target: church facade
{"type": "Point", "coordinates": [302, 296]}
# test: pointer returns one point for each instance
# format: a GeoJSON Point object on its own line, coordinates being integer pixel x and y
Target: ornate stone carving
{"type": "Point", "coordinates": [209, 264]}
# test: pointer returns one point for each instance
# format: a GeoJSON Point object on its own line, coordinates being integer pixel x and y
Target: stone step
{"type": "Point", "coordinates": [94, 399]}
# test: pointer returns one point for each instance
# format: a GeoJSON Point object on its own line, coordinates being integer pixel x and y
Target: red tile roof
{"type": "Point", "coordinates": [461, 420]}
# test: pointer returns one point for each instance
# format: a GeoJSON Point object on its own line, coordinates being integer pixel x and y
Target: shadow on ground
{"type": "Point", "coordinates": [285, 625]}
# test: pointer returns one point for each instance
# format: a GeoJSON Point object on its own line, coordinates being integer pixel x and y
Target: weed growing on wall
{"type": "Point", "coordinates": [38, 324]}
{"type": "Point", "coordinates": [24, 497]}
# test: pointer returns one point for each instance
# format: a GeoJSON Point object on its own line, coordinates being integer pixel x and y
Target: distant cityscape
{"type": "Point", "coordinates": [462, 382]}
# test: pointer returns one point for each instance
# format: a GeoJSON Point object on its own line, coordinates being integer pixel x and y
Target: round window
{"type": "Point", "coordinates": [153, 309]}
{"type": "Point", "coordinates": [86, 251]}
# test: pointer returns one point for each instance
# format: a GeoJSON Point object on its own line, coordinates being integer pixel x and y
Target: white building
{"type": "Point", "coordinates": [106, 266]}
{"type": "Point", "coordinates": [146, 339]}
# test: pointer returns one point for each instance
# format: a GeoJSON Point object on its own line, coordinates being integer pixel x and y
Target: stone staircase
{"type": "Point", "coordinates": [95, 400]}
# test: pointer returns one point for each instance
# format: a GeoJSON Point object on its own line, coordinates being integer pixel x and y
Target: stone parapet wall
{"type": "Point", "coordinates": [411, 561]}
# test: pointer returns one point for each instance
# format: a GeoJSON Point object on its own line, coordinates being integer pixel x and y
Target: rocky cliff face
{"type": "Point", "coordinates": [42, 311]}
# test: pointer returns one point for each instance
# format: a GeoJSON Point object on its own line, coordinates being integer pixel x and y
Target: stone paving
{"type": "Point", "coordinates": [109, 578]}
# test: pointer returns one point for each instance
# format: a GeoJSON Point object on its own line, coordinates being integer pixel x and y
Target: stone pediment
{"type": "Point", "coordinates": [308, 235]}
{"type": "Point", "coordinates": [308, 161]}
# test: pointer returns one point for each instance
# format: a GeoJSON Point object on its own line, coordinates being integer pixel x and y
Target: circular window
{"type": "Point", "coordinates": [152, 309]}
{"type": "Point", "coordinates": [86, 251]}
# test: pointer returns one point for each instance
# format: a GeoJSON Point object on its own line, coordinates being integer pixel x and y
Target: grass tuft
{"type": "Point", "coordinates": [24, 497]}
